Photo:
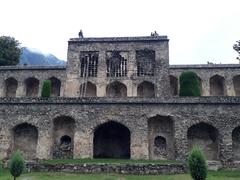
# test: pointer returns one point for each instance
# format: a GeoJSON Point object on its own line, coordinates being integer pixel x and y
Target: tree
{"type": "Point", "coordinates": [1, 167]}
{"type": "Point", "coordinates": [197, 164]}
{"type": "Point", "coordinates": [189, 84]}
{"type": "Point", "coordinates": [46, 89]}
{"type": "Point", "coordinates": [236, 47]}
{"type": "Point", "coordinates": [17, 164]}
{"type": "Point", "coordinates": [10, 51]}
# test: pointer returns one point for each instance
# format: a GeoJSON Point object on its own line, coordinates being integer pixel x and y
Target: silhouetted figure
{"type": "Point", "coordinates": [80, 34]}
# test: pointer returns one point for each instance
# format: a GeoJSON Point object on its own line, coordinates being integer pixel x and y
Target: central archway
{"type": "Point", "coordinates": [111, 140]}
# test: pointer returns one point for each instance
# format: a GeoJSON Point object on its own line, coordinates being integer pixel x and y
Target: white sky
{"type": "Point", "coordinates": [199, 30]}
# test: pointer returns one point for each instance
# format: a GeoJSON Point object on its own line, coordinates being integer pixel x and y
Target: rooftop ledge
{"type": "Point", "coordinates": [120, 39]}
{"type": "Point", "coordinates": [32, 67]}
{"type": "Point", "coordinates": [227, 100]}
{"type": "Point", "coordinates": [204, 66]}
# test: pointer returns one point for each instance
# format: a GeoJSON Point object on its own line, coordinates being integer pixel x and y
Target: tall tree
{"type": "Point", "coordinates": [236, 47]}
{"type": "Point", "coordinates": [10, 51]}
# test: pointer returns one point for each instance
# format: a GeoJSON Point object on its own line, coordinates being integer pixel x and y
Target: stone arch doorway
{"type": "Point", "coordinates": [11, 85]}
{"type": "Point", "coordinates": [25, 139]}
{"type": "Point", "coordinates": [146, 89]}
{"type": "Point", "coordinates": [236, 143]}
{"type": "Point", "coordinates": [206, 137]}
{"type": "Point", "coordinates": [88, 89]}
{"type": "Point", "coordinates": [236, 84]}
{"type": "Point", "coordinates": [111, 140]}
{"type": "Point", "coordinates": [116, 89]}
{"type": "Point", "coordinates": [63, 137]}
{"type": "Point", "coordinates": [173, 85]}
{"type": "Point", "coordinates": [161, 137]}
{"type": "Point", "coordinates": [55, 86]}
{"type": "Point", "coordinates": [32, 87]}
{"type": "Point", "coordinates": [217, 86]}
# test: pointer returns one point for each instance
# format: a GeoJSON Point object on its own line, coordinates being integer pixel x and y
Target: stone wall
{"type": "Point", "coordinates": [137, 169]}
{"type": "Point", "coordinates": [88, 114]}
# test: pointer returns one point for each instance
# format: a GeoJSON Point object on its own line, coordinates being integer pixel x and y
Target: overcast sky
{"type": "Point", "coordinates": [199, 30]}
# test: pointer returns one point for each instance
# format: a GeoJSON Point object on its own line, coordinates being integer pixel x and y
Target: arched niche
{"type": "Point", "coordinates": [217, 86]}
{"type": "Point", "coordinates": [88, 89]}
{"type": "Point", "coordinates": [11, 85]}
{"type": "Point", "coordinates": [173, 85]}
{"type": "Point", "coordinates": [32, 87]}
{"type": "Point", "coordinates": [55, 86]}
{"type": "Point", "coordinates": [236, 84]}
{"type": "Point", "coordinates": [146, 89]}
{"type": "Point", "coordinates": [116, 89]}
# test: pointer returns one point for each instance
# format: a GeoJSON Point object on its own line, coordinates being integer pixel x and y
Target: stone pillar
{"type": "Point", "coordinates": [102, 74]}
{"type": "Point", "coordinates": [72, 86]}
{"type": "Point", "coordinates": [21, 90]}
{"type": "Point", "coordinates": [82, 145]}
{"type": "Point", "coordinates": [5, 145]}
{"type": "Point", "coordinates": [40, 87]}
{"type": "Point", "coordinates": [162, 70]}
{"type": "Point", "coordinates": [62, 88]}
{"type": "Point", "coordinates": [134, 89]}
{"type": "Point", "coordinates": [229, 86]}
{"type": "Point", "coordinates": [44, 145]}
{"type": "Point", "coordinates": [139, 144]}
{"type": "Point", "coordinates": [225, 148]}
{"type": "Point", "coordinates": [2, 89]}
{"type": "Point", "coordinates": [205, 87]}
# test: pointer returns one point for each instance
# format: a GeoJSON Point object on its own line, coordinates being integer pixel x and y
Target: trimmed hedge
{"type": "Point", "coordinates": [189, 84]}
{"type": "Point", "coordinates": [197, 164]}
{"type": "Point", "coordinates": [46, 89]}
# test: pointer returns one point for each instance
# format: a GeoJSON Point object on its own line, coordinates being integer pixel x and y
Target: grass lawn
{"type": "Point", "coordinates": [220, 175]}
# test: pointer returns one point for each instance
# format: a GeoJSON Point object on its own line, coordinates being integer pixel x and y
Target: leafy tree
{"type": "Point", "coordinates": [17, 164]}
{"type": "Point", "coordinates": [197, 164]}
{"type": "Point", "coordinates": [1, 167]}
{"type": "Point", "coordinates": [46, 89]}
{"type": "Point", "coordinates": [189, 84]}
{"type": "Point", "coordinates": [236, 47]}
{"type": "Point", "coordinates": [10, 51]}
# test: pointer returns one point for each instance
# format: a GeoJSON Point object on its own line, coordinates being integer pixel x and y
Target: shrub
{"type": "Point", "coordinates": [197, 164]}
{"type": "Point", "coordinates": [189, 84]}
{"type": "Point", "coordinates": [1, 167]}
{"type": "Point", "coordinates": [46, 89]}
{"type": "Point", "coordinates": [17, 164]}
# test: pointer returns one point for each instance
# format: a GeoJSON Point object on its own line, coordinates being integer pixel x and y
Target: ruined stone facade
{"type": "Point", "coordinates": [118, 98]}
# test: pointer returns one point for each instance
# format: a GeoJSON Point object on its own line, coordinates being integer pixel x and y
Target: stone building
{"type": "Point", "coordinates": [118, 98]}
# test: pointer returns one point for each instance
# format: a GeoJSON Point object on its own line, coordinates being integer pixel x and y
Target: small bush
{"type": "Point", "coordinates": [17, 164]}
{"type": "Point", "coordinates": [1, 167]}
{"type": "Point", "coordinates": [46, 89]}
{"type": "Point", "coordinates": [189, 84]}
{"type": "Point", "coordinates": [197, 164]}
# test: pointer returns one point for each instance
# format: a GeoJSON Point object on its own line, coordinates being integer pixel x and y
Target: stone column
{"type": "Point", "coordinates": [5, 145]}
{"type": "Point", "coordinates": [102, 74]}
{"type": "Point", "coordinates": [225, 148]}
{"type": "Point", "coordinates": [162, 70]}
{"type": "Point", "coordinates": [139, 144]}
{"type": "Point", "coordinates": [205, 87]}
{"type": "Point", "coordinates": [44, 145]}
{"type": "Point", "coordinates": [229, 86]}
{"type": "Point", "coordinates": [2, 89]}
{"type": "Point", "coordinates": [21, 90]}
{"type": "Point", "coordinates": [72, 86]}
{"type": "Point", "coordinates": [40, 87]}
{"type": "Point", "coordinates": [82, 145]}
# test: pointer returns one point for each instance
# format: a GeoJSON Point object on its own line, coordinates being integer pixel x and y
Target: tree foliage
{"type": "Point", "coordinates": [197, 164]}
{"type": "Point", "coordinates": [189, 84]}
{"type": "Point", "coordinates": [10, 51]}
{"type": "Point", "coordinates": [46, 89]}
{"type": "Point", "coordinates": [1, 167]}
{"type": "Point", "coordinates": [17, 164]}
{"type": "Point", "coordinates": [236, 47]}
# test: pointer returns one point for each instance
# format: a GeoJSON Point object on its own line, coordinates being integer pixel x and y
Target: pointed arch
{"type": "Point", "coordinates": [11, 85]}
{"type": "Point", "coordinates": [217, 86]}
{"type": "Point", "coordinates": [236, 84]}
{"type": "Point", "coordinates": [63, 137]}
{"type": "Point", "coordinates": [236, 143]}
{"type": "Point", "coordinates": [111, 140]}
{"type": "Point", "coordinates": [32, 87]}
{"type": "Point", "coordinates": [206, 137]}
{"type": "Point", "coordinates": [174, 85]}
{"type": "Point", "coordinates": [55, 86]}
{"type": "Point", "coordinates": [88, 89]}
{"type": "Point", "coordinates": [25, 139]}
{"type": "Point", "coordinates": [146, 89]}
{"type": "Point", "coordinates": [116, 89]}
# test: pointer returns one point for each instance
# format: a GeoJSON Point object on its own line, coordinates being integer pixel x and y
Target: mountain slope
{"type": "Point", "coordinates": [33, 57]}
